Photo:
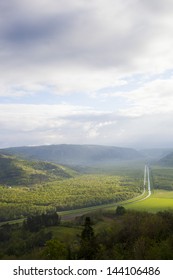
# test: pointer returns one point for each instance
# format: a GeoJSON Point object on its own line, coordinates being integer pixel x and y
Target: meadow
{"type": "Point", "coordinates": [162, 192]}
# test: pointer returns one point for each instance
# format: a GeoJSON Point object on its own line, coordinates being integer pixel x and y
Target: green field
{"type": "Point", "coordinates": [160, 200]}
{"type": "Point", "coordinates": [162, 192]}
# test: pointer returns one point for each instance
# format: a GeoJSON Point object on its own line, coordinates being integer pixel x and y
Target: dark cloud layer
{"type": "Point", "coordinates": [91, 36]}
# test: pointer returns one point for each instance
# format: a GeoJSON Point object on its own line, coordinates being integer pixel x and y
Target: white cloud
{"type": "Point", "coordinates": [149, 98]}
{"type": "Point", "coordinates": [71, 48]}
{"type": "Point", "coordinates": [47, 124]}
{"type": "Point", "coordinates": [153, 98]}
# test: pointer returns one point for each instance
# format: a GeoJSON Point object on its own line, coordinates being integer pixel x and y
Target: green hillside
{"type": "Point", "coordinates": [14, 171]}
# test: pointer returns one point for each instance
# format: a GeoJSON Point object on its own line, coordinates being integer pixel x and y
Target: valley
{"type": "Point", "coordinates": [29, 187]}
{"type": "Point", "coordinates": [111, 193]}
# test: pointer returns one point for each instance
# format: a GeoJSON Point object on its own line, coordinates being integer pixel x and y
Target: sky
{"type": "Point", "coordinates": [86, 72]}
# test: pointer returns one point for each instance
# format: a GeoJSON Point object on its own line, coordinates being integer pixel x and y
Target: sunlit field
{"type": "Point", "coordinates": [162, 192]}
{"type": "Point", "coordinates": [160, 200]}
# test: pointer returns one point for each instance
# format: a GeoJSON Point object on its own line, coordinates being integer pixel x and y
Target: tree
{"type": "Point", "coordinates": [55, 250]}
{"type": "Point", "coordinates": [88, 246]}
{"type": "Point", "coordinates": [120, 210]}
{"type": "Point", "coordinates": [88, 232]}
{"type": "Point", "coordinates": [35, 223]}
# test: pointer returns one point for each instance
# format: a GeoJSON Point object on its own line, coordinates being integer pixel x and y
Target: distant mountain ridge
{"type": "Point", "coordinates": [156, 154]}
{"type": "Point", "coordinates": [74, 154]}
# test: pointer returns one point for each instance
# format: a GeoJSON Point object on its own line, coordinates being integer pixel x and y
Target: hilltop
{"type": "Point", "coordinates": [75, 154]}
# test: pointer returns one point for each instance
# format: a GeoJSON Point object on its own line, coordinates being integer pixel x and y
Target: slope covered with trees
{"type": "Point", "coordinates": [78, 192]}
{"type": "Point", "coordinates": [14, 171]}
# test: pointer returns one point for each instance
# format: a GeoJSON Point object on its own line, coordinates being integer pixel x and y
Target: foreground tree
{"type": "Point", "coordinates": [88, 245]}
{"type": "Point", "coordinates": [35, 223]}
{"type": "Point", "coordinates": [55, 250]}
{"type": "Point", "coordinates": [120, 210]}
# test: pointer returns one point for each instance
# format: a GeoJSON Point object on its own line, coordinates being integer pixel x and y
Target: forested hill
{"type": "Point", "coordinates": [167, 160]}
{"type": "Point", "coordinates": [14, 171]}
{"type": "Point", "coordinates": [75, 154]}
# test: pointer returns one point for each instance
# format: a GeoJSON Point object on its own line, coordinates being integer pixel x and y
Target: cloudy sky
{"type": "Point", "coordinates": [86, 72]}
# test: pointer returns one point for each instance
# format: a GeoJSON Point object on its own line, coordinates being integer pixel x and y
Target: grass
{"type": "Point", "coordinates": [64, 233]}
{"type": "Point", "coordinates": [18, 221]}
{"type": "Point", "coordinates": [160, 200]}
